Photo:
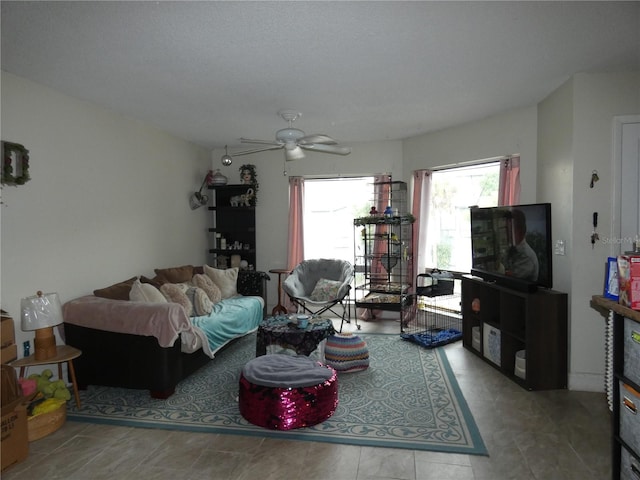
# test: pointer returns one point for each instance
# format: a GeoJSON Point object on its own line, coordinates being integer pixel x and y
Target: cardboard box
{"type": "Point", "coordinates": [15, 443]}
{"type": "Point", "coordinates": [9, 349]}
{"type": "Point", "coordinates": [9, 353]}
{"type": "Point", "coordinates": [629, 278]}
{"type": "Point", "coordinates": [7, 332]}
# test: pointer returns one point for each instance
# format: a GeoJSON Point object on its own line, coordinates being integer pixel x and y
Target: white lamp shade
{"type": "Point", "coordinates": [41, 311]}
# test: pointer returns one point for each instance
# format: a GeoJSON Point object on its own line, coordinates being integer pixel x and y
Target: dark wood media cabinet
{"type": "Point", "coordinates": [498, 322]}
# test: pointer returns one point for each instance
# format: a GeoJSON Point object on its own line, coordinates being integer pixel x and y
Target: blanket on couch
{"type": "Point", "coordinates": [229, 319]}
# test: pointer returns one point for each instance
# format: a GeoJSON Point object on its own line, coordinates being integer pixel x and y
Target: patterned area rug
{"type": "Point", "coordinates": [407, 398]}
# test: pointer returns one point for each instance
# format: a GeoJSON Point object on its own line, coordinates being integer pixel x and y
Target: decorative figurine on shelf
{"type": "Point", "coordinates": [244, 200]}
{"type": "Point", "coordinates": [388, 212]}
{"type": "Point", "coordinates": [248, 176]}
{"type": "Point", "coordinates": [373, 211]}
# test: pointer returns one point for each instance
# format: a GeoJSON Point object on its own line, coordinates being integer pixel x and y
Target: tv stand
{"type": "Point", "coordinates": [498, 322]}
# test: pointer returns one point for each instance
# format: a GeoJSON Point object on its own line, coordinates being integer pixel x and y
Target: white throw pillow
{"type": "Point", "coordinates": [174, 293]}
{"type": "Point", "coordinates": [145, 292]}
{"type": "Point", "coordinates": [325, 290]}
{"type": "Point", "coordinates": [200, 302]}
{"type": "Point", "coordinates": [202, 281]}
{"type": "Point", "coordinates": [226, 280]}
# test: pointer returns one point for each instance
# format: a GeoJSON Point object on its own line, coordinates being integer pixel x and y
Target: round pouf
{"type": "Point", "coordinates": [281, 392]}
{"type": "Point", "coordinates": [346, 352]}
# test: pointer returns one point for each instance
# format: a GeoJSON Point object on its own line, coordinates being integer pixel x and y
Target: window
{"type": "Point", "coordinates": [330, 205]}
{"type": "Point", "coordinates": [453, 191]}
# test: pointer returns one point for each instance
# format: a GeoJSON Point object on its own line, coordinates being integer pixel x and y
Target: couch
{"type": "Point", "coordinates": [150, 333]}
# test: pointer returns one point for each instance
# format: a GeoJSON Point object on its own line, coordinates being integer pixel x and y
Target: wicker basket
{"type": "Point", "coordinates": [40, 426]}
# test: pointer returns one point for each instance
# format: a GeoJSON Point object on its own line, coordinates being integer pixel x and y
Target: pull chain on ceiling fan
{"type": "Point", "coordinates": [294, 141]}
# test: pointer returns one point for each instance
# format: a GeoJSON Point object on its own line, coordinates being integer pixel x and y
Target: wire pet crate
{"type": "Point", "coordinates": [437, 320]}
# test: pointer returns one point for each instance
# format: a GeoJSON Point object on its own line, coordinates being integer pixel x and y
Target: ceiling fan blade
{"type": "Point", "coordinates": [256, 150]}
{"type": "Point", "coordinates": [335, 149]}
{"type": "Point", "coordinates": [261, 142]}
{"type": "Point", "coordinates": [317, 138]}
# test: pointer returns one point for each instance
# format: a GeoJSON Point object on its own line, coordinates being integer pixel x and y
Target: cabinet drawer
{"type": "Point", "coordinates": [630, 416]}
{"type": "Point", "coordinates": [632, 350]}
{"type": "Point", "coordinates": [629, 466]}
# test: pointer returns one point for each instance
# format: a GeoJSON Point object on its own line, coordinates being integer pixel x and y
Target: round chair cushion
{"type": "Point", "coordinates": [346, 352]}
{"type": "Point", "coordinates": [281, 392]}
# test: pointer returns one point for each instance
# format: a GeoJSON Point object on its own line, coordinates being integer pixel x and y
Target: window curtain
{"type": "Point", "coordinates": [296, 230]}
{"type": "Point", "coordinates": [509, 183]}
{"type": "Point", "coordinates": [420, 208]}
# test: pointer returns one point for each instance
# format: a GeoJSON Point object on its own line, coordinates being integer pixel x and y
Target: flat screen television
{"type": "Point", "coordinates": [512, 245]}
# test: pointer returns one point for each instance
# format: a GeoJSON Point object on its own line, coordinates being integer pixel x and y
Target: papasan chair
{"type": "Point", "coordinates": [318, 285]}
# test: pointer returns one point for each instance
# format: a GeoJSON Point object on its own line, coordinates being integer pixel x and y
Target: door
{"type": "Point", "coordinates": [626, 178]}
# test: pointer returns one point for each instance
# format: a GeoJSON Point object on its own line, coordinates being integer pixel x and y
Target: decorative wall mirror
{"type": "Point", "coordinates": [15, 164]}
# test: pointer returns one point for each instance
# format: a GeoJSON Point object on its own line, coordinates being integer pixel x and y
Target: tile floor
{"type": "Point", "coordinates": [552, 435]}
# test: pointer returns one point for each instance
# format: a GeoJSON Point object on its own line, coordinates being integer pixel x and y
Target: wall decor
{"type": "Point", "coordinates": [15, 164]}
{"type": "Point", "coordinates": [248, 176]}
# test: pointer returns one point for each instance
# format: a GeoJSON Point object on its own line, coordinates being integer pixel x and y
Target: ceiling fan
{"type": "Point", "coordinates": [295, 141]}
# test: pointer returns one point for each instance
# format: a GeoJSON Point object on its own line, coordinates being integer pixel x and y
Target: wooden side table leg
{"type": "Point", "coordinates": [72, 371]}
{"type": "Point", "coordinates": [279, 308]}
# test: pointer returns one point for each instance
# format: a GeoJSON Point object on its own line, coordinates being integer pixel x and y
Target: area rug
{"type": "Point", "coordinates": [407, 398]}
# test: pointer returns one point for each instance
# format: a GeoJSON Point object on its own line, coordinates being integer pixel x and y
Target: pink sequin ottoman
{"type": "Point", "coordinates": [282, 392]}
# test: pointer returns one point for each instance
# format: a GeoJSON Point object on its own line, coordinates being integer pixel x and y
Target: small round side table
{"type": "Point", "coordinates": [279, 308]}
{"type": "Point", "coordinates": [64, 353]}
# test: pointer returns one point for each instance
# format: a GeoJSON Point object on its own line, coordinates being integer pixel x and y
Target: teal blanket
{"type": "Point", "coordinates": [231, 318]}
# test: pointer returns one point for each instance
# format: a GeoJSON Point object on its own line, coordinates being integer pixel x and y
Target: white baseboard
{"type": "Point", "coordinates": [586, 382]}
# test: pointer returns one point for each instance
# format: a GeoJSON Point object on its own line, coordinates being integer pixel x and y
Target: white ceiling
{"type": "Point", "coordinates": [212, 72]}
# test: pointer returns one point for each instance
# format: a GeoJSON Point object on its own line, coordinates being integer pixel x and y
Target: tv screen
{"type": "Point", "coordinates": [512, 245]}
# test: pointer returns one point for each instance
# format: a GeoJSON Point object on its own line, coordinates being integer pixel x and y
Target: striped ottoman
{"type": "Point", "coordinates": [346, 352]}
{"type": "Point", "coordinates": [281, 392]}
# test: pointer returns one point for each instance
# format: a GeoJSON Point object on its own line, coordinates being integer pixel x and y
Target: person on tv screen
{"type": "Point", "coordinates": [520, 261]}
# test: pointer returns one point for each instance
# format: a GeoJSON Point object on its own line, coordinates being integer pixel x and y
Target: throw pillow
{"type": "Point", "coordinates": [174, 293]}
{"type": "Point", "coordinates": [202, 281]}
{"type": "Point", "coordinates": [155, 281]}
{"type": "Point", "coordinates": [175, 274]}
{"type": "Point", "coordinates": [325, 290]}
{"type": "Point", "coordinates": [117, 291]}
{"type": "Point", "coordinates": [226, 280]}
{"type": "Point", "coordinates": [201, 303]}
{"type": "Point", "coordinates": [145, 292]}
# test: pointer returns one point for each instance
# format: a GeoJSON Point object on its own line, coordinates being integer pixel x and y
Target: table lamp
{"type": "Point", "coordinates": [41, 313]}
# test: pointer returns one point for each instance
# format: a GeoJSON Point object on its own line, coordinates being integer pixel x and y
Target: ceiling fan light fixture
{"type": "Point", "coordinates": [226, 159]}
{"type": "Point", "coordinates": [289, 135]}
{"type": "Point", "coordinates": [293, 152]}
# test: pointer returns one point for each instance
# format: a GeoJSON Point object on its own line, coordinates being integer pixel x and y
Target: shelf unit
{"type": "Point", "coordinates": [498, 322]}
{"type": "Point", "coordinates": [383, 253]}
{"type": "Point", "coordinates": [234, 224]}
{"type": "Point", "coordinates": [625, 441]}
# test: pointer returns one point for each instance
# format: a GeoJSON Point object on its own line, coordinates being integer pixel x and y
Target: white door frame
{"type": "Point", "coordinates": [616, 203]}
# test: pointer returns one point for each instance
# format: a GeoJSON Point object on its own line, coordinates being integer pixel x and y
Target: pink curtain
{"type": "Point", "coordinates": [509, 188]}
{"type": "Point", "coordinates": [296, 230]}
{"type": "Point", "coordinates": [420, 208]}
